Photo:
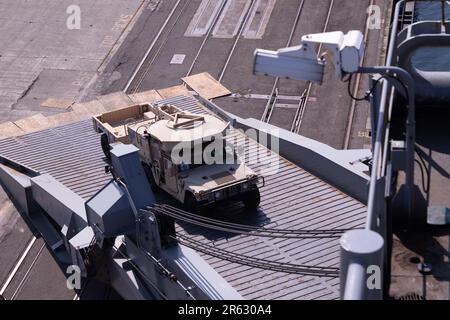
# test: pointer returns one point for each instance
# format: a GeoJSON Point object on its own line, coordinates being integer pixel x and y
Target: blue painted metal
{"type": "Point", "coordinates": [126, 165]}
{"type": "Point", "coordinates": [432, 88]}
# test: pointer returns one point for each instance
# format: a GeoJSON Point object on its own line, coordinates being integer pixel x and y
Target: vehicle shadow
{"type": "Point", "coordinates": [233, 212]}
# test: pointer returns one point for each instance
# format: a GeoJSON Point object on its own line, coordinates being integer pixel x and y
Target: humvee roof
{"type": "Point", "coordinates": [164, 130]}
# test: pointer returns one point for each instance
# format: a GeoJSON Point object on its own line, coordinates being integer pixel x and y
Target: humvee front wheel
{"type": "Point", "coordinates": [191, 204]}
{"type": "Point", "coordinates": [252, 199]}
{"type": "Point", "coordinates": [149, 174]}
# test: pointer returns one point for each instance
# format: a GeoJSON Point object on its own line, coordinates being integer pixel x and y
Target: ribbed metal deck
{"type": "Point", "coordinates": [70, 153]}
{"type": "Point", "coordinates": [291, 199]}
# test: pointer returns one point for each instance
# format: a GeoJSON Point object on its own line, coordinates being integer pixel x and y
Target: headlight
{"type": "Point", "coordinates": [218, 194]}
{"type": "Point", "coordinates": [206, 196]}
{"type": "Point", "coordinates": [245, 186]}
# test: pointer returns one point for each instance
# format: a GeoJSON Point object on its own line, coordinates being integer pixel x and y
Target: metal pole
{"type": "Point", "coordinates": [443, 13]}
{"type": "Point", "coordinates": [407, 80]}
{"type": "Point", "coordinates": [354, 260]}
{"type": "Point", "coordinates": [361, 265]}
{"type": "Point", "coordinates": [377, 147]}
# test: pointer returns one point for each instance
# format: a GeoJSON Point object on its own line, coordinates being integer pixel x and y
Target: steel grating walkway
{"type": "Point", "coordinates": [291, 199]}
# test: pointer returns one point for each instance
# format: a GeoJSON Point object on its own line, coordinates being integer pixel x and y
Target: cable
{"type": "Point", "coordinates": [255, 262]}
{"type": "Point", "coordinates": [422, 175]}
{"type": "Point", "coordinates": [244, 229]}
{"type": "Point", "coordinates": [423, 169]}
{"type": "Point", "coordinates": [168, 207]}
{"type": "Point", "coordinates": [367, 95]}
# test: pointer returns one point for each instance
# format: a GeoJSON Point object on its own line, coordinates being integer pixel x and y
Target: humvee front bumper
{"type": "Point", "coordinates": [231, 191]}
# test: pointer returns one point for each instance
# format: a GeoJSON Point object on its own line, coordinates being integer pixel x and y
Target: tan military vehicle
{"type": "Point", "coordinates": [184, 154]}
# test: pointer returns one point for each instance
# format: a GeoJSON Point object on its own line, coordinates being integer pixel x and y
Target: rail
{"type": "Point", "coordinates": [357, 258]}
{"type": "Point", "coordinates": [357, 253]}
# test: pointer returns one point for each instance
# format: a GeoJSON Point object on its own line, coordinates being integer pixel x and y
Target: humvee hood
{"type": "Point", "coordinates": [209, 177]}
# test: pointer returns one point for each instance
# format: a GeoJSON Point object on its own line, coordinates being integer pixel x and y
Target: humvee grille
{"type": "Point", "coordinates": [234, 189]}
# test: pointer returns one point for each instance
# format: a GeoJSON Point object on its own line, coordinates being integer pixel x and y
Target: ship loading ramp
{"type": "Point", "coordinates": [288, 249]}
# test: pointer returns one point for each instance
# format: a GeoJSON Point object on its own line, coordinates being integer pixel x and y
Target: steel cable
{"type": "Point", "coordinates": [244, 229]}
{"type": "Point", "coordinates": [256, 262]}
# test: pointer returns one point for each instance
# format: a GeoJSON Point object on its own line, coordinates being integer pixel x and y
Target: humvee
{"type": "Point", "coordinates": [182, 153]}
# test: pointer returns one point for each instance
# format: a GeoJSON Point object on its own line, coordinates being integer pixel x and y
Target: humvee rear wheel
{"type": "Point", "coordinates": [149, 174]}
{"type": "Point", "coordinates": [191, 204]}
{"type": "Point", "coordinates": [105, 145]}
{"type": "Point", "coordinates": [252, 199]}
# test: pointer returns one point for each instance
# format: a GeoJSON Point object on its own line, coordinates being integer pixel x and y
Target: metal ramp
{"type": "Point", "coordinates": [292, 198]}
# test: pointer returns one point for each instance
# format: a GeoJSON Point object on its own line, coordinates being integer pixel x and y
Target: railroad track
{"type": "Point", "coordinates": [298, 118]}
{"type": "Point", "coordinates": [21, 265]}
{"type": "Point", "coordinates": [147, 61]}
{"type": "Point", "coordinates": [236, 40]}
{"type": "Point", "coordinates": [356, 88]}
{"type": "Point", "coordinates": [153, 52]}
{"type": "Point", "coordinates": [144, 67]}
{"type": "Point", "coordinates": [270, 105]}
{"type": "Point", "coordinates": [238, 37]}
{"type": "Point", "coordinates": [207, 36]}
{"type": "Point", "coordinates": [18, 265]}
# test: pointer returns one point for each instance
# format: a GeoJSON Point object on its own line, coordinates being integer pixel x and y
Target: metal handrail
{"type": "Point", "coordinates": [353, 278]}
{"type": "Point", "coordinates": [355, 275]}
